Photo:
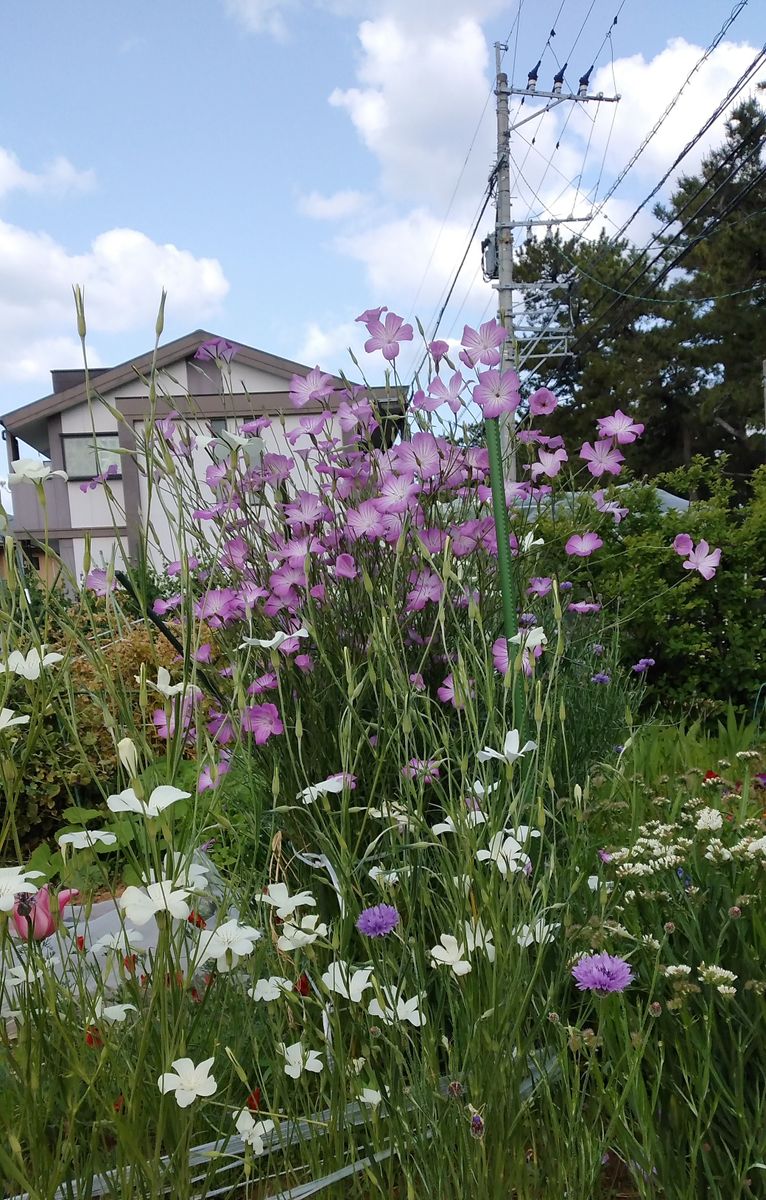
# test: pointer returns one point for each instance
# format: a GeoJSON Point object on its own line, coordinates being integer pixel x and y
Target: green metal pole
{"type": "Point", "coordinates": [505, 570]}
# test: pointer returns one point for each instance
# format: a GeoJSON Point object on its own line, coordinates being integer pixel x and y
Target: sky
{"type": "Point", "coordinates": [281, 165]}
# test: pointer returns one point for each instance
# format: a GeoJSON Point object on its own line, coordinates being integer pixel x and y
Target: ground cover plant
{"type": "Point", "coordinates": [349, 888]}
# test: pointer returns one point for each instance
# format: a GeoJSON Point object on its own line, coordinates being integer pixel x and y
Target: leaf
{"type": "Point", "coordinates": [81, 815]}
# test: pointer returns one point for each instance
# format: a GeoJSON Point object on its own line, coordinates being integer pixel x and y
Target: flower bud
{"type": "Point", "coordinates": [126, 748]}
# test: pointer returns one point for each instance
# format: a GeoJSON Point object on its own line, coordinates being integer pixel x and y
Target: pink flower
{"type": "Point", "coordinates": [602, 457]}
{"type": "Point", "coordinates": [438, 350]}
{"type": "Point", "coordinates": [497, 392]}
{"type": "Point", "coordinates": [620, 427]}
{"type": "Point", "coordinates": [704, 560]}
{"type": "Point", "coordinates": [542, 402]}
{"type": "Point", "coordinates": [500, 655]}
{"type": "Point", "coordinates": [398, 493]}
{"type": "Point", "coordinates": [98, 582]}
{"type": "Point", "coordinates": [482, 346]}
{"type": "Point", "coordinates": [550, 463]}
{"type": "Point", "coordinates": [211, 775]}
{"type": "Point", "coordinates": [426, 769]}
{"type": "Point", "coordinates": [539, 586]}
{"type": "Point", "coordinates": [371, 314]}
{"type": "Point", "coordinates": [387, 335]}
{"type": "Point", "coordinates": [682, 544]}
{"type": "Point", "coordinates": [583, 544]}
{"type": "Point", "coordinates": [447, 695]}
{"type": "Point", "coordinates": [419, 456]}
{"type": "Point", "coordinates": [262, 720]}
{"type": "Point", "coordinates": [364, 521]}
{"type": "Point", "coordinates": [447, 393]}
{"type": "Point", "coordinates": [32, 914]}
{"type": "Point", "coordinates": [426, 588]}
{"type": "Point", "coordinates": [345, 567]}
{"type": "Point", "coordinates": [609, 506]}
{"type": "Point", "coordinates": [310, 388]}
{"type": "Point", "coordinates": [418, 682]}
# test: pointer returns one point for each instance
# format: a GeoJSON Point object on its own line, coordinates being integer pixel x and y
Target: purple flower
{"type": "Point", "coordinates": [609, 506]}
{"type": "Point", "coordinates": [602, 457]}
{"type": "Point", "coordinates": [601, 677]}
{"type": "Point", "coordinates": [310, 388]}
{"type": "Point", "coordinates": [602, 973]}
{"type": "Point", "coordinates": [477, 1126]}
{"type": "Point", "coordinates": [215, 348]}
{"type": "Point", "coordinates": [262, 720]}
{"type": "Point", "coordinates": [438, 350]}
{"type": "Point", "coordinates": [426, 769]}
{"type": "Point", "coordinates": [642, 665]}
{"type": "Point", "coordinates": [620, 427]}
{"type": "Point", "coordinates": [378, 921]}
{"type": "Point", "coordinates": [584, 607]}
{"type": "Point", "coordinates": [482, 345]}
{"type": "Point", "coordinates": [703, 559]}
{"type": "Point", "coordinates": [605, 856]}
{"type": "Point", "coordinates": [542, 402]}
{"type": "Point", "coordinates": [597, 649]}
{"type": "Point", "coordinates": [682, 544]}
{"type": "Point", "coordinates": [497, 392]}
{"type": "Point", "coordinates": [99, 582]}
{"type": "Point", "coordinates": [539, 586]}
{"type": "Point", "coordinates": [386, 336]}
{"type": "Point", "coordinates": [583, 544]}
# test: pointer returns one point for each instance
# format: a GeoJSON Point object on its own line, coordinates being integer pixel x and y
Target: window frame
{"type": "Point", "coordinates": [92, 438]}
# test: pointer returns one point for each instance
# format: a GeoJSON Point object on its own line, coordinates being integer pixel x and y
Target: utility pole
{"type": "Point", "coordinates": [498, 248]}
{"type": "Point", "coordinates": [763, 376]}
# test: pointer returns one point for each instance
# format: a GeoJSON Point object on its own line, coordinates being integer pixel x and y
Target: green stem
{"type": "Point", "coordinates": [505, 572]}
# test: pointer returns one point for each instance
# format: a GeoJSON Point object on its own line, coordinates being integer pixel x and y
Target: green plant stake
{"type": "Point", "coordinates": [503, 535]}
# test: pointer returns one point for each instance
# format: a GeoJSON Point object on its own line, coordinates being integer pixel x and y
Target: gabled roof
{"type": "Point", "coordinates": [114, 377]}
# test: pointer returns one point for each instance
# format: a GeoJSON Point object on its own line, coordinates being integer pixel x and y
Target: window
{"type": "Point", "coordinates": [86, 454]}
{"type": "Point", "coordinates": [217, 425]}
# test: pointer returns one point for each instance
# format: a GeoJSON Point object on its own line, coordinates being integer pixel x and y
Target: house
{"type": "Point", "coordinates": [88, 427]}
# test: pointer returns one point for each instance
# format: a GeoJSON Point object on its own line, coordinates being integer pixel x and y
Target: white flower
{"type": "Point", "coordinates": [120, 940]}
{"type": "Point", "coordinates": [112, 1012]}
{"type": "Point", "coordinates": [163, 684]}
{"type": "Point", "coordinates": [714, 974]}
{"type": "Point", "coordinates": [352, 985]}
{"type": "Point", "coordinates": [384, 878]}
{"type": "Point", "coordinates": [7, 719]}
{"type": "Point", "coordinates": [397, 1009]}
{"type": "Point", "coordinates": [294, 936]}
{"type": "Point", "coordinates": [270, 989]}
{"type": "Point", "coordinates": [370, 1097]}
{"type": "Point", "coordinates": [479, 938]}
{"type": "Point", "coordinates": [334, 784]}
{"type": "Point", "coordinates": [228, 943]}
{"type": "Point", "coordinates": [185, 872]}
{"type": "Point", "coordinates": [678, 971]}
{"type": "Point", "coordinates": [356, 1065]}
{"type": "Point", "coordinates": [277, 894]}
{"type": "Point", "coordinates": [510, 751]}
{"type": "Point", "coordinates": [298, 1060]}
{"type": "Point", "coordinates": [479, 791]}
{"type": "Point", "coordinates": [276, 641]}
{"type": "Point", "coordinates": [81, 839]}
{"type": "Point", "coordinates": [188, 1082]}
{"type": "Point", "coordinates": [709, 818]}
{"type": "Point", "coordinates": [30, 665]}
{"type": "Point", "coordinates": [251, 1131]}
{"type": "Point", "coordinates": [473, 817]}
{"type": "Point", "coordinates": [140, 905]}
{"type": "Point", "coordinates": [18, 976]}
{"type": "Point", "coordinates": [506, 853]}
{"type": "Point", "coordinates": [529, 540]}
{"type": "Point", "coordinates": [126, 749]}
{"type": "Point", "coordinates": [522, 833]}
{"type": "Point", "coordinates": [530, 639]}
{"type": "Point", "coordinates": [13, 880]}
{"type": "Point", "coordinates": [32, 470]}
{"type": "Point", "coordinates": [450, 954]}
{"type": "Point", "coordinates": [161, 798]}
{"type": "Point", "coordinates": [594, 883]}
{"type": "Point", "coordinates": [540, 932]}
{"type": "Point", "coordinates": [392, 810]}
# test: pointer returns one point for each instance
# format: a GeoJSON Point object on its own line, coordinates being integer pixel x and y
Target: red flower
{"type": "Point", "coordinates": [712, 775]}
{"type": "Point", "coordinates": [119, 1103]}
{"type": "Point", "coordinates": [80, 942]}
{"type": "Point", "coordinates": [195, 919]}
{"type": "Point", "coordinates": [129, 963]}
{"type": "Point", "coordinates": [302, 985]}
{"type": "Point", "coordinates": [93, 1037]}
{"type": "Point", "coordinates": [253, 1101]}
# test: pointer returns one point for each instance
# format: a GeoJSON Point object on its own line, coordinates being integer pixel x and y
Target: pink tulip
{"type": "Point", "coordinates": [32, 914]}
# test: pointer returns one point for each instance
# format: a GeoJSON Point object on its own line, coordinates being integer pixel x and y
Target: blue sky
{"type": "Point", "coordinates": [281, 165]}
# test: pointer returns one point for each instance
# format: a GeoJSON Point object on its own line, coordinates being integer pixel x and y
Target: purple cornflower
{"type": "Point", "coordinates": [602, 974]}
{"type": "Point", "coordinates": [642, 665]}
{"type": "Point", "coordinates": [378, 921]}
{"type": "Point", "coordinates": [601, 677]}
{"type": "Point", "coordinates": [477, 1126]}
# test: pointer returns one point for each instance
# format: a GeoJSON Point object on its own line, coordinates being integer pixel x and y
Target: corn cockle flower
{"type": "Point", "coordinates": [310, 388]}
{"type": "Point", "coordinates": [619, 426]}
{"type": "Point", "coordinates": [604, 456]}
{"type": "Point", "coordinates": [542, 402]}
{"type": "Point", "coordinates": [497, 392]}
{"type": "Point", "coordinates": [346, 982]}
{"type": "Point", "coordinates": [115, 1013]}
{"type": "Point", "coordinates": [386, 335]}
{"type": "Point", "coordinates": [703, 559]}
{"type": "Point", "coordinates": [510, 752]}
{"type": "Point", "coordinates": [294, 937]}
{"type": "Point", "coordinates": [371, 1097]}
{"type": "Point", "coordinates": [83, 839]}
{"type": "Point", "coordinates": [251, 1131]}
{"type": "Point", "coordinates": [506, 853]}
{"type": "Point", "coordinates": [473, 816]}
{"type": "Point", "coordinates": [7, 719]}
{"type": "Point", "coordinates": [334, 784]}
{"type": "Point", "coordinates": [228, 943]}
{"type": "Point", "coordinates": [163, 684]}
{"type": "Point", "coordinates": [397, 1008]}
{"type": "Point", "coordinates": [32, 470]}
{"type": "Point", "coordinates": [273, 643]}
{"type": "Point", "coordinates": [479, 938]}
{"type": "Point", "coordinates": [161, 798]}
{"type": "Point", "coordinates": [278, 896]}
{"type": "Point", "coordinates": [540, 932]}
{"type": "Point", "coordinates": [609, 506]}
{"type": "Point", "coordinates": [582, 545]}
{"type": "Point", "coordinates": [482, 345]}
{"type": "Point", "coordinates": [298, 1060]}
{"type": "Point", "coordinates": [187, 1081]}
{"type": "Point", "coordinates": [450, 954]}
{"type": "Point", "coordinates": [29, 665]}
{"type": "Point", "coordinates": [14, 880]}
{"type": "Point", "coordinates": [141, 904]}
{"type": "Point", "coordinates": [270, 989]}
{"type": "Point", "coordinates": [263, 721]}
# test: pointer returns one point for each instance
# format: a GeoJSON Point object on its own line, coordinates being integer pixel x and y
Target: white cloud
{"type": "Point", "coordinates": [332, 208]}
{"type": "Point", "coordinates": [58, 178]}
{"type": "Point", "coordinates": [261, 16]}
{"type": "Point", "coordinates": [122, 273]}
{"type": "Point", "coordinates": [36, 357]}
{"type": "Point", "coordinates": [329, 346]}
